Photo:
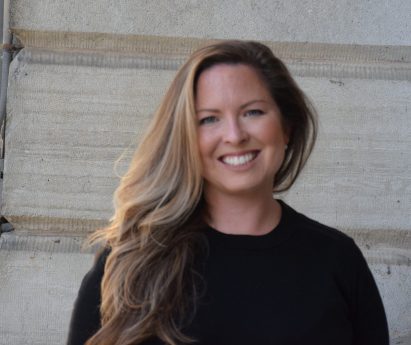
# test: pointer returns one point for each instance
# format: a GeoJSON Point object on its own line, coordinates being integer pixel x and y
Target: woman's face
{"type": "Point", "coordinates": [240, 133]}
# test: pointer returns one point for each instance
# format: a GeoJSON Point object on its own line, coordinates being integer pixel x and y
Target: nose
{"type": "Point", "coordinates": [235, 132]}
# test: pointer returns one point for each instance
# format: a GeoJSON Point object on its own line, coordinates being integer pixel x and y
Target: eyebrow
{"type": "Point", "coordinates": [245, 105]}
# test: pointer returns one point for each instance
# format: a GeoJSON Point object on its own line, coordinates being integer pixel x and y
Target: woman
{"type": "Point", "coordinates": [198, 249]}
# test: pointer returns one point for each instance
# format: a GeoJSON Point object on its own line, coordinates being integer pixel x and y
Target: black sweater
{"type": "Point", "coordinates": [302, 283]}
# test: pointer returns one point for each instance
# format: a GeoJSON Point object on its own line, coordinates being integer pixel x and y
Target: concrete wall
{"type": "Point", "coordinates": [351, 21]}
{"type": "Point", "coordinates": [91, 74]}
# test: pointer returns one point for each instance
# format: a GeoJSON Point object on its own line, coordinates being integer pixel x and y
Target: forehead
{"type": "Point", "coordinates": [230, 80]}
{"type": "Point", "coordinates": [221, 70]}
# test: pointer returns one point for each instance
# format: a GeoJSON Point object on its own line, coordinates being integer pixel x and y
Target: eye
{"type": "Point", "coordinates": [254, 112]}
{"type": "Point", "coordinates": [207, 120]}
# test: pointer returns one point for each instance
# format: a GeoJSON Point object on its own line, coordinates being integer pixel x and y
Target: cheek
{"type": "Point", "coordinates": [206, 143]}
{"type": "Point", "coordinates": [271, 134]}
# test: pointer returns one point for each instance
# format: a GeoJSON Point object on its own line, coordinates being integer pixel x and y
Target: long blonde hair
{"type": "Point", "coordinates": [150, 285]}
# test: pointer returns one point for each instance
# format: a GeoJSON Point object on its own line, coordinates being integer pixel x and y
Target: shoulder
{"type": "Point", "coordinates": [100, 258]}
{"type": "Point", "coordinates": [90, 285]}
{"type": "Point", "coordinates": [319, 237]}
{"type": "Point", "coordinates": [326, 250]}
{"type": "Point", "coordinates": [314, 228]}
{"type": "Point", "coordinates": [85, 318]}
{"type": "Point", "coordinates": [93, 277]}
{"type": "Point", "coordinates": [329, 252]}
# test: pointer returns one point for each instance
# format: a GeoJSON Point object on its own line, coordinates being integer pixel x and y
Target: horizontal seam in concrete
{"type": "Point", "coordinates": [388, 257]}
{"type": "Point", "coordinates": [43, 225]}
{"type": "Point", "coordinates": [97, 59]}
{"type": "Point", "coordinates": [77, 244]}
{"type": "Point", "coordinates": [183, 46]}
{"type": "Point", "coordinates": [372, 238]}
{"type": "Point", "coordinates": [154, 52]}
{"type": "Point", "coordinates": [48, 244]}
{"type": "Point", "coordinates": [326, 69]}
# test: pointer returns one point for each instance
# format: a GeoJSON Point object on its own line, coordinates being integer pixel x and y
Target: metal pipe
{"type": "Point", "coordinates": [7, 54]}
{"type": "Point", "coordinates": [6, 58]}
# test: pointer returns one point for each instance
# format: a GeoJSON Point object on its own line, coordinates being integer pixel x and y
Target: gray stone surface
{"type": "Point", "coordinates": [64, 139]}
{"type": "Point", "coordinates": [403, 340]}
{"type": "Point", "coordinates": [359, 174]}
{"type": "Point", "coordinates": [396, 297]}
{"type": "Point", "coordinates": [38, 288]}
{"type": "Point", "coordinates": [352, 21]}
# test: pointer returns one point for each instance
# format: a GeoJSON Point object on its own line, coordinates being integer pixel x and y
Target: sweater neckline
{"type": "Point", "coordinates": [273, 238]}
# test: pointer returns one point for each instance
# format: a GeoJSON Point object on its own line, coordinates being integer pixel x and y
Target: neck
{"type": "Point", "coordinates": [242, 215]}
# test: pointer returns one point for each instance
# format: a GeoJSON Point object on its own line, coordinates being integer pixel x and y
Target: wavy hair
{"type": "Point", "coordinates": [150, 285]}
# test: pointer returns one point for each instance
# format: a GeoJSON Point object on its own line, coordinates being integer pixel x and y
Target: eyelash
{"type": "Point", "coordinates": [254, 112]}
{"type": "Point", "coordinates": [207, 120]}
{"type": "Point", "coordinates": [212, 119]}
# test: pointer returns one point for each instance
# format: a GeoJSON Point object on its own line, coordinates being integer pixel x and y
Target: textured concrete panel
{"type": "Point", "coordinates": [63, 140]}
{"type": "Point", "coordinates": [353, 21]}
{"type": "Point", "coordinates": [38, 289]}
{"type": "Point", "coordinates": [394, 283]}
{"type": "Point", "coordinates": [41, 277]}
{"type": "Point", "coordinates": [358, 177]}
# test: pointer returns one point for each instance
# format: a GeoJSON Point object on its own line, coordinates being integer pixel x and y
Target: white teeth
{"type": "Point", "coordinates": [239, 160]}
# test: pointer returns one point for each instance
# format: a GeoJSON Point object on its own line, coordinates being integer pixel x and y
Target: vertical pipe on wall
{"type": "Point", "coordinates": [6, 58]}
{"type": "Point", "coordinates": [5, 68]}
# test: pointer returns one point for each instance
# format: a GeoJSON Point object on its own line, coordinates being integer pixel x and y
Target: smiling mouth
{"type": "Point", "coordinates": [237, 160]}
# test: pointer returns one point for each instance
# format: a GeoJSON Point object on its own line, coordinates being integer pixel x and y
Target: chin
{"type": "Point", "coordinates": [237, 188]}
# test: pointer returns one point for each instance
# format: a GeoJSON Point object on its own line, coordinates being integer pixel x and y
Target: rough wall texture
{"type": "Point", "coordinates": [91, 75]}
{"type": "Point", "coordinates": [352, 21]}
{"type": "Point", "coordinates": [39, 280]}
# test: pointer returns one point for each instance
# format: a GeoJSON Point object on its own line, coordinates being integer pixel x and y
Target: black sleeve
{"type": "Point", "coordinates": [85, 319]}
{"type": "Point", "coordinates": [369, 319]}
